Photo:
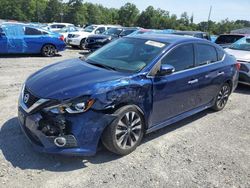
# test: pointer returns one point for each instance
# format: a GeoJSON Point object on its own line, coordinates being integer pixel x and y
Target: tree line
{"type": "Point", "coordinates": [81, 13]}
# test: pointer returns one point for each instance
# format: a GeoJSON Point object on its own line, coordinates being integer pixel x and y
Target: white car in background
{"type": "Point", "coordinates": [78, 38]}
{"type": "Point", "coordinates": [58, 26]}
{"type": "Point", "coordinates": [241, 51]}
{"type": "Point", "coordinates": [66, 30]}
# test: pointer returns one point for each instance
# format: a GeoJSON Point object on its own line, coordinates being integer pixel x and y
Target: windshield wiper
{"type": "Point", "coordinates": [103, 66]}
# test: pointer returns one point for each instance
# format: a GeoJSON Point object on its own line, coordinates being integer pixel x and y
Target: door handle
{"type": "Point", "coordinates": [193, 81]}
{"type": "Point", "coordinates": [220, 73]}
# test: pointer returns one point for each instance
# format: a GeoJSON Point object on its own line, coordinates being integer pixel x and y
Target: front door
{"type": "Point", "coordinates": [3, 42]}
{"type": "Point", "coordinates": [34, 40]}
{"type": "Point", "coordinates": [176, 93]}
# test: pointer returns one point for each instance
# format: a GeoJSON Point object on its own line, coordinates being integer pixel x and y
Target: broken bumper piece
{"type": "Point", "coordinates": [68, 134]}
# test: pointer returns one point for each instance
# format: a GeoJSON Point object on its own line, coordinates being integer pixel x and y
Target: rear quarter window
{"type": "Point", "coordinates": [205, 54]}
{"type": "Point", "coordinates": [220, 53]}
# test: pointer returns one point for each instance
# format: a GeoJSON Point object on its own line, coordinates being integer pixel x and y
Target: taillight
{"type": "Point", "coordinates": [61, 38]}
{"type": "Point", "coordinates": [238, 65]}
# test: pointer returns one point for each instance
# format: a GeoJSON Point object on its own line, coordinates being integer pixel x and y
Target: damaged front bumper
{"type": "Point", "coordinates": [81, 132]}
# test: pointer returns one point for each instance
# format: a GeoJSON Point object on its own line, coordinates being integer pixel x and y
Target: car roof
{"type": "Point", "coordinates": [167, 38]}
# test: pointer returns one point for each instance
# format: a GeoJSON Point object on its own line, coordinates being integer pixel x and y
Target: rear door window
{"type": "Point", "coordinates": [181, 58]}
{"type": "Point", "coordinates": [220, 53]}
{"type": "Point", "coordinates": [205, 54]}
{"type": "Point", "coordinates": [32, 31]}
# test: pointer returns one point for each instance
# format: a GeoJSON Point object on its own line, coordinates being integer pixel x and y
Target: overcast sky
{"type": "Point", "coordinates": [222, 9]}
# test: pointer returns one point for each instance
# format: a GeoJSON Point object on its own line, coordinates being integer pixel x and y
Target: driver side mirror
{"type": "Point", "coordinates": [165, 70]}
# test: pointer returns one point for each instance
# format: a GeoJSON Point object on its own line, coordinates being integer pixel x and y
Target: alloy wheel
{"type": "Point", "coordinates": [128, 130]}
{"type": "Point", "coordinates": [223, 96]}
{"type": "Point", "coordinates": [49, 50]}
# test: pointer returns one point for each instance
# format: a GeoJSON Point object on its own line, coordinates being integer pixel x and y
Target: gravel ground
{"type": "Point", "coordinates": [205, 150]}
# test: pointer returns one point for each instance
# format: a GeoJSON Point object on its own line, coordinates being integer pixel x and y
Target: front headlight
{"type": "Point", "coordinates": [72, 107]}
{"type": "Point", "coordinates": [75, 36]}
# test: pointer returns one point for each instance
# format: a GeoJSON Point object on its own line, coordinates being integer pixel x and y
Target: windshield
{"type": "Point", "coordinates": [127, 54]}
{"type": "Point", "coordinates": [242, 44]}
{"type": "Point", "coordinates": [89, 29]}
{"type": "Point", "coordinates": [113, 31]}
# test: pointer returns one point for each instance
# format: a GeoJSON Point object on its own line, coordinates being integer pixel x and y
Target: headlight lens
{"type": "Point", "coordinates": [75, 36]}
{"type": "Point", "coordinates": [73, 107]}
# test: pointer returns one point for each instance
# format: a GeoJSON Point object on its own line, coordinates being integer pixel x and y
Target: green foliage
{"type": "Point", "coordinates": [52, 11]}
{"type": "Point", "coordinates": [128, 14]}
{"type": "Point", "coordinates": [79, 13]}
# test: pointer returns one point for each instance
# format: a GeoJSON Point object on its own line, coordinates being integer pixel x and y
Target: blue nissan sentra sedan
{"type": "Point", "coordinates": [18, 38]}
{"type": "Point", "coordinates": [128, 88]}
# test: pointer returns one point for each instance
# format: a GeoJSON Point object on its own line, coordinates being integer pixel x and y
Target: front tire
{"type": "Point", "coordinates": [48, 50]}
{"type": "Point", "coordinates": [126, 132]}
{"type": "Point", "coordinates": [83, 44]}
{"type": "Point", "coordinates": [222, 97]}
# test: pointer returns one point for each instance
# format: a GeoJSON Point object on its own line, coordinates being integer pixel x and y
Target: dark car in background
{"type": "Point", "coordinates": [226, 40]}
{"type": "Point", "coordinates": [94, 42]}
{"type": "Point", "coordinates": [130, 87]}
{"type": "Point", "coordinates": [27, 39]}
{"type": "Point", "coordinates": [197, 34]}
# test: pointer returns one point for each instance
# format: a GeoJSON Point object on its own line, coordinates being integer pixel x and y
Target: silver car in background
{"type": "Point", "coordinates": [241, 51]}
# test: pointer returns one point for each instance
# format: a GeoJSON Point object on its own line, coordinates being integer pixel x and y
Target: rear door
{"type": "Point", "coordinates": [210, 71]}
{"type": "Point", "coordinates": [176, 93]}
{"type": "Point", "coordinates": [34, 40]}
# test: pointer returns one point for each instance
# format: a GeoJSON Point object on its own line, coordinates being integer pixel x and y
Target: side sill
{"type": "Point", "coordinates": [178, 118]}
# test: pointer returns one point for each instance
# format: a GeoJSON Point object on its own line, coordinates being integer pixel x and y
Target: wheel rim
{"type": "Point", "coordinates": [223, 96]}
{"type": "Point", "coordinates": [83, 45]}
{"type": "Point", "coordinates": [128, 130]}
{"type": "Point", "coordinates": [49, 50]}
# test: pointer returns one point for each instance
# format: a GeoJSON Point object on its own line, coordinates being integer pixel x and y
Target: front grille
{"type": "Point", "coordinates": [28, 98]}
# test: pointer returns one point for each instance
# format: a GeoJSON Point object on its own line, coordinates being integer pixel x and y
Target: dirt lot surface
{"type": "Point", "coordinates": [206, 150]}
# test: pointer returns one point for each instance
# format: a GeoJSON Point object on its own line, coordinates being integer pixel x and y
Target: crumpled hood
{"type": "Point", "coordinates": [71, 78]}
{"type": "Point", "coordinates": [239, 54]}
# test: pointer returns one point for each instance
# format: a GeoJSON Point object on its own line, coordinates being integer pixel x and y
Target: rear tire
{"type": "Point", "coordinates": [48, 50]}
{"type": "Point", "coordinates": [222, 97]}
{"type": "Point", "coordinates": [124, 134]}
